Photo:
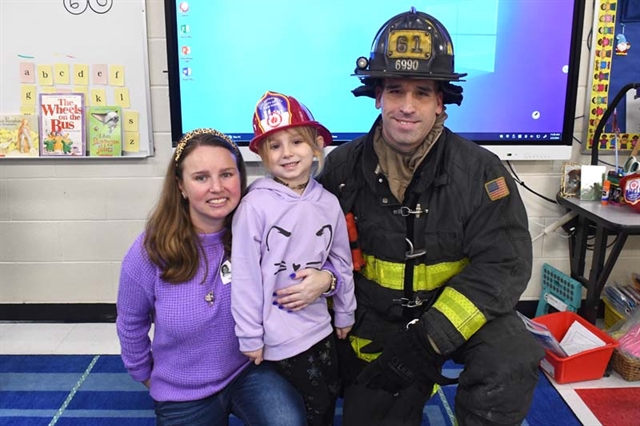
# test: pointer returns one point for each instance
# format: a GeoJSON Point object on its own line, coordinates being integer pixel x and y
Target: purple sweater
{"type": "Point", "coordinates": [194, 352]}
{"type": "Point", "coordinates": [275, 233]}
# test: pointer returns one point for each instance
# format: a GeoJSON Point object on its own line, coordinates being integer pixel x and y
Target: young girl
{"type": "Point", "coordinates": [285, 227]}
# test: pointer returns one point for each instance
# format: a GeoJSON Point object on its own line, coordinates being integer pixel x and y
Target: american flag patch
{"type": "Point", "coordinates": [497, 189]}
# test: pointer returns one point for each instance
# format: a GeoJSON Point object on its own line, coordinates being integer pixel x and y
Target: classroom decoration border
{"type": "Point", "coordinates": [604, 47]}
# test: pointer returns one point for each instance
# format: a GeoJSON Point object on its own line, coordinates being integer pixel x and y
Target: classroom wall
{"type": "Point", "coordinates": [65, 226]}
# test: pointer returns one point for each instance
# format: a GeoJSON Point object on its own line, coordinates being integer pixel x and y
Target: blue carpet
{"type": "Point", "coordinates": [87, 390]}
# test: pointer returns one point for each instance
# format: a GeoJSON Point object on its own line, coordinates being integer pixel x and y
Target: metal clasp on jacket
{"type": "Point", "coordinates": [408, 303]}
{"type": "Point", "coordinates": [406, 211]}
{"type": "Point", "coordinates": [412, 254]}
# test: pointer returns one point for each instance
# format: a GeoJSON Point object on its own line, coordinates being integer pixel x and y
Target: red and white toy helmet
{"type": "Point", "coordinates": [275, 112]}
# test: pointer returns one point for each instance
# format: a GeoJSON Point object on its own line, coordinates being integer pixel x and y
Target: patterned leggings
{"type": "Point", "coordinates": [314, 373]}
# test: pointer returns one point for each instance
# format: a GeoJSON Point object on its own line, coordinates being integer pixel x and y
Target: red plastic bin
{"type": "Point", "coordinates": [586, 365]}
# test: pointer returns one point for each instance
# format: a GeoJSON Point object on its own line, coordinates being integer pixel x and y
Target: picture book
{"type": "Point", "coordinates": [19, 135]}
{"type": "Point", "coordinates": [543, 335]}
{"type": "Point", "coordinates": [104, 131]}
{"type": "Point", "coordinates": [62, 124]}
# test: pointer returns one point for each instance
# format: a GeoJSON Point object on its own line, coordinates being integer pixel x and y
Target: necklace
{"type": "Point", "coordinates": [210, 297]}
{"type": "Point", "coordinates": [296, 187]}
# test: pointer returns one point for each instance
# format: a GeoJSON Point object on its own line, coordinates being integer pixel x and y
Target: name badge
{"type": "Point", "coordinates": [225, 272]}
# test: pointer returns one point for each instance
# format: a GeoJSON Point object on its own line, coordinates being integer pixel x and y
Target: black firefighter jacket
{"type": "Point", "coordinates": [458, 244]}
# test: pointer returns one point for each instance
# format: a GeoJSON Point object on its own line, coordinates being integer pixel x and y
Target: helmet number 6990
{"type": "Point", "coordinates": [406, 65]}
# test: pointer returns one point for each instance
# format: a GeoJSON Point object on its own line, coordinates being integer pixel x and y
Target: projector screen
{"type": "Point", "coordinates": [522, 60]}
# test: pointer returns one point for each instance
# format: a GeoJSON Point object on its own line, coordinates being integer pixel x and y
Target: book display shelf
{"type": "Point", "coordinates": [78, 93]}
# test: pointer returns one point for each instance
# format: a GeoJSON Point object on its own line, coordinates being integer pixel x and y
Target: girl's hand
{"type": "Point", "coordinates": [147, 383]}
{"type": "Point", "coordinates": [342, 332]}
{"type": "Point", "coordinates": [255, 356]}
{"type": "Point", "coordinates": [313, 283]}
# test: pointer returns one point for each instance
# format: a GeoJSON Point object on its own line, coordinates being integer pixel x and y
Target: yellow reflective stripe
{"type": "Point", "coordinates": [430, 277]}
{"type": "Point", "coordinates": [357, 343]}
{"type": "Point", "coordinates": [462, 313]}
{"type": "Point", "coordinates": [436, 388]}
{"type": "Point", "coordinates": [386, 274]}
{"type": "Point", "coordinates": [425, 277]}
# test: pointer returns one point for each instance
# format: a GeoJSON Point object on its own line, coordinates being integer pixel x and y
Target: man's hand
{"type": "Point", "coordinates": [406, 358]}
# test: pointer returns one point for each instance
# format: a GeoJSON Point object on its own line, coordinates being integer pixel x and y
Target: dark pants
{"type": "Point", "coordinates": [314, 373]}
{"type": "Point", "coordinates": [495, 388]}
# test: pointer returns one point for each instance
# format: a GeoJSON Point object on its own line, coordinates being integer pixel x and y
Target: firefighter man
{"type": "Point", "coordinates": [445, 241]}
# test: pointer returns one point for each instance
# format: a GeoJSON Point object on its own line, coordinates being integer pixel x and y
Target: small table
{"type": "Point", "coordinates": [621, 221]}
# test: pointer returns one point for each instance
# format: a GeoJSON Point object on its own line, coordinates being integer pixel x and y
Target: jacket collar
{"type": "Point", "coordinates": [430, 171]}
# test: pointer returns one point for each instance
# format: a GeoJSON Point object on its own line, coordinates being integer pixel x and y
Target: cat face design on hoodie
{"type": "Point", "coordinates": [277, 233]}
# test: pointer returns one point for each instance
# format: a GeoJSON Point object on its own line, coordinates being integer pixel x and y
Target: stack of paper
{"type": "Point", "coordinates": [577, 339]}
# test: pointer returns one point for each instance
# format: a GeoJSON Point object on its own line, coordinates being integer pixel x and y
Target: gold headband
{"type": "Point", "coordinates": [190, 135]}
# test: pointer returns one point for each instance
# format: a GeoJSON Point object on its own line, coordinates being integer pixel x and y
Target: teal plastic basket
{"type": "Point", "coordinates": [558, 287]}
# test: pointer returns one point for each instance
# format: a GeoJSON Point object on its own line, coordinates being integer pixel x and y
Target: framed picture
{"type": "Point", "coordinates": [570, 184]}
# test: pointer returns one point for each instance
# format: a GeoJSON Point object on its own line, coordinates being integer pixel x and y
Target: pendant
{"type": "Point", "coordinates": [209, 298]}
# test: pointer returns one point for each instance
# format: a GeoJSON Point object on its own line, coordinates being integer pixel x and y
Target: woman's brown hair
{"type": "Point", "coordinates": [170, 240]}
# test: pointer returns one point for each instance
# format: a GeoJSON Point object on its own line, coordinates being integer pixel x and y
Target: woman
{"type": "Point", "coordinates": [177, 276]}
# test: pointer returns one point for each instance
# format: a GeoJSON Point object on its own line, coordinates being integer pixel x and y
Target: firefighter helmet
{"type": "Point", "coordinates": [276, 111]}
{"type": "Point", "coordinates": [410, 45]}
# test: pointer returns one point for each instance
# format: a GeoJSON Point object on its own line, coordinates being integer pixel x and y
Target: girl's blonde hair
{"type": "Point", "coordinates": [309, 135]}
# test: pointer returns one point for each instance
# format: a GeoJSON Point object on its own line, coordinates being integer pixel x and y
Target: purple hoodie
{"type": "Point", "coordinates": [275, 233]}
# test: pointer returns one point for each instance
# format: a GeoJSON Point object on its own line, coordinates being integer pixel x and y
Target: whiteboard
{"type": "Point", "coordinates": [97, 46]}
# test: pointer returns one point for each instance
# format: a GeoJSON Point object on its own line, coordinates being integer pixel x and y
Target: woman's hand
{"type": "Point", "coordinates": [255, 356]}
{"type": "Point", "coordinates": [299, 296]}
{"type": "Point", "coordinates": [147, 383]}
